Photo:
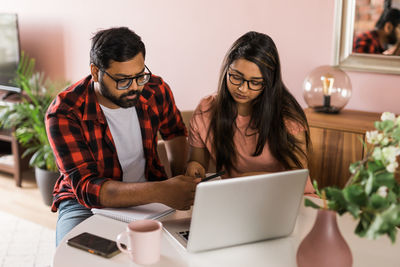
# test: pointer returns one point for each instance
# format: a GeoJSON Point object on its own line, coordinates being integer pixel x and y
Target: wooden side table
{"type": "Point", "coordinates": [11, 160]}
{"type": "Point", "coordinates": [10, 156]}
{"type": "Point", "coordinates": [337, 142]}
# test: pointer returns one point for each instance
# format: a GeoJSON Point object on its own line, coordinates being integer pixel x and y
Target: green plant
{"type": "Point", "coordinates": [372, 194]}
{"type": "Point", "coordinates": [27, 116]}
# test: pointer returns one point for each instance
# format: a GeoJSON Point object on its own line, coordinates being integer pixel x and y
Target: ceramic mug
{"type": "Point", "coordinates": [143, 241]}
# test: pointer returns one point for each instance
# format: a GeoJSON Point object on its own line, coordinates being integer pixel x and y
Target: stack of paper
{"type": "Point", "coordinates": [148, 211]}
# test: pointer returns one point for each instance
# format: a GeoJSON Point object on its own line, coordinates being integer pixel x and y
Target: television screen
{"type": "Point", "coordinates": [9, 52]}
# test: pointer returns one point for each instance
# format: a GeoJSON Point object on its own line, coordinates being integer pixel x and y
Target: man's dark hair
{"type": "Point", "coordinates": [391, 15]}
{"type": "Point", "coordinates": [118, 44]}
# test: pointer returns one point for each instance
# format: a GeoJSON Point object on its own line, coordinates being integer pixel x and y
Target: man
{"type": "Point", "coordinates": [103, 131]}
{"type": "Point", "coordinates": [387, 30]}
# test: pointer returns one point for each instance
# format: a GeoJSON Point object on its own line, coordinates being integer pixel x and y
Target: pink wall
{"type": "Point", "coordinates": [186, 41]}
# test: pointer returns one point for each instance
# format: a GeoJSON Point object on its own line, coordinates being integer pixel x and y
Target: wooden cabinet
{"type": "Point", "coordinates": [10, 156]}
{"type": "Point", "coordinates": [337, 142]}
{"type": "Point", "coordinates": [10, 150]}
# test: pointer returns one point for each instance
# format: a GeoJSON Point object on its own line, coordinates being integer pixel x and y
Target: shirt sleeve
{"type": "Point", "coordinates": [365, 44]}
{"type": "Point", "coordinates": [200, 123]}
{"type": "Point", "coordinates": [172, 124]}
{"type": "Point", "coordinates": [195, 130]}
{"type": "Point", "coordinates": [74, 158]}
{"type": "Point", "coordinates": [362, 46]}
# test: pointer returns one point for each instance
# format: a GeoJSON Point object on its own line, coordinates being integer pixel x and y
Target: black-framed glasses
{"type": "Point", "coordinates": [255, 85]}
{"type": "Point", "coordinates": [125, 83]}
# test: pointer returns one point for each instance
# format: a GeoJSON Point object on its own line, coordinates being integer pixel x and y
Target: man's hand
{"type": "Point", "coordinates": [178, 192]}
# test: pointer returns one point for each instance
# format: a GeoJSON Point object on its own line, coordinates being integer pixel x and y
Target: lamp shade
{"type": "Point", "coordinates": [327, 89]}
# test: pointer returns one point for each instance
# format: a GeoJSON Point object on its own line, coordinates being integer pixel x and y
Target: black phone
{"type": "Point", "coordinates": [212, 176]}
{"type": "Point", "coordinates": [94, 244]}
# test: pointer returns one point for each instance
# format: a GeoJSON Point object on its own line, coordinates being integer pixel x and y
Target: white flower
{"type": "Point", "coordinates": [377, 154]}
{"type": "Point", "coordinates": [388, 116]}
{"type": "Point", "coordinates": [372, 137]}
{"type": "Point", "coordinates": [392, 167]}
{"type": "Point", "coordinates": [390, 153]}
{"type": "Point", "coordinates": [388, 157]}
{"type": "Point", "coordinates": [382, 191]}
{"type": "Point", "coordinates": [380, 137]}
{"type": "Point", "coordinates": [397, 122]}
{"type": "Point", "coordinates": [385, 141]}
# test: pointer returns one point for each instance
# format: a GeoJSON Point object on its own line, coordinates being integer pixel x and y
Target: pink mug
{"type": "Point", "coordinates": [143, 241]}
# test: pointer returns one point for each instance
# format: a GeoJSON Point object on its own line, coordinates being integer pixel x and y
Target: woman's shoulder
{"type": "Point", "coordinates": [294, 127]}
{"type": "Point", "coordinates": [202, 113]}
{"type": "Point", "coordinates": [205, 105]}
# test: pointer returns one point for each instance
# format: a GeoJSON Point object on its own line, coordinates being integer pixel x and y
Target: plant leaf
{"type": "Point", "coordinates": [370, 183]}
{"type": "Point", "coordinates": [309, 203]}
{"type": "Point", "coordinates": [386, 179]}
{"type": "Point", "coordinates": [27, 117]}
{"type": "Point", "coordinates": [336, 200]}
{"type": "Point", "coordinates": [378, 203]}
{"type": "Point", "coordinates": [354, 194]}
{"type": "Point", "coordinates": [385, 223]}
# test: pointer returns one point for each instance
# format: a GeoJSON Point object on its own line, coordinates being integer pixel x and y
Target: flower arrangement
{"type": "Point", "coordinates": [372, 194]}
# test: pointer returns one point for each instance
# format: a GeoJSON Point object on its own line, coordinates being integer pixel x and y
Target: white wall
{"type": "Point", "coordinates": [186, 40]}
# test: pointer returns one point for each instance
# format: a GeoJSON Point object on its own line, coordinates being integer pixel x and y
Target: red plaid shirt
{"type": "Point", "coordinates": [83, 145]}
{"type": "Point", "coordinates": [368, 42]}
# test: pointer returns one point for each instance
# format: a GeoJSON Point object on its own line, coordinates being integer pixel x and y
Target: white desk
{"type": "Point", "coordinates": [275, 253]}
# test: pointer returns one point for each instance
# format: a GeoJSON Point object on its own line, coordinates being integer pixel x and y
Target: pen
{"type": "Point", "coordinates": [213, 176]}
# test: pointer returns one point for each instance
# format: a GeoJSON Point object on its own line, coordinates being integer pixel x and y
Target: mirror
{"type": "Point", "coordinates": [343, 55]}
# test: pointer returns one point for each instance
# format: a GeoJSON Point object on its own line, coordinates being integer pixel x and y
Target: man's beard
{"type": "Point", "coordinates": [121, 101]}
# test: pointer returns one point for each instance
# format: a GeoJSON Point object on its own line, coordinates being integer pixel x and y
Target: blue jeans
{"type": "Point", "coordinates": [70, 214]}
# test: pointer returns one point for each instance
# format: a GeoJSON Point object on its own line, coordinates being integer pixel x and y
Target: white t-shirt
{"type": "Point", "coordinates": [125, 130]}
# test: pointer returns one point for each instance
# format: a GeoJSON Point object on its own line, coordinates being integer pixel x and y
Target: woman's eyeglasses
{"type": "Point", "coordinates": [255, 85]}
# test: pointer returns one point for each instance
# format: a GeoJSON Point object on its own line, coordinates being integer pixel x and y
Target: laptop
{"type": "Point", "coordinates": [240, 210]}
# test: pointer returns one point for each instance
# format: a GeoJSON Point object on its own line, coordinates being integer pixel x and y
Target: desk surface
{"type": "Point", "coordinates": [276, 253]}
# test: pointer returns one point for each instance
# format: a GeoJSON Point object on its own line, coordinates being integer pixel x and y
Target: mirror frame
{"type": "Point", "coordinates": [343, 38]}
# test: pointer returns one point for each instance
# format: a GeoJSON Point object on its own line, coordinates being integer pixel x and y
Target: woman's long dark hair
{"type": "Point", "coordinates": [271, 110]}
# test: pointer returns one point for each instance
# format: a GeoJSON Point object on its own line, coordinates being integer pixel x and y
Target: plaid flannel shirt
{"type": "Point", "coordinates": [84, 148]}
{"type": "Point", "coordinates": [368, 42]}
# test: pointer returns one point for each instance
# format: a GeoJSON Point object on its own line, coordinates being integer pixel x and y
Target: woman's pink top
{"type": "Point", "coordinates": [245, 141]}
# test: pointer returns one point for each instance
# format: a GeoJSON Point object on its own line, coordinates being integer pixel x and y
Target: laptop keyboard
{"type": "Point", "coordinates": [184, 234]}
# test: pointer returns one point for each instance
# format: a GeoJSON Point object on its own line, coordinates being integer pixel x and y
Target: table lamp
{"type": "Point", "coordinates": [327, 89]}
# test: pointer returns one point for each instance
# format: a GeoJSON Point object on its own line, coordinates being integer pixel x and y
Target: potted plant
{"type": "Point", "coordinates": [27, 119]}
{"type": "Point", "coordinates": [372, 194]}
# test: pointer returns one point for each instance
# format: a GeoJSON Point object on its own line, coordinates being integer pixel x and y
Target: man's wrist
{"type": "Point", "coordinates": [159, 191]}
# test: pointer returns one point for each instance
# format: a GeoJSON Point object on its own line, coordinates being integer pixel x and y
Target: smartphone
{"type": "Point", "coordinates": [212, 176]}
{"type": "Point", "coordinates": [94, 244]}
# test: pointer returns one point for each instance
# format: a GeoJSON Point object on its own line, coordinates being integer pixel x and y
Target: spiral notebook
{"type": "Point", "coordinates": [148, 211]}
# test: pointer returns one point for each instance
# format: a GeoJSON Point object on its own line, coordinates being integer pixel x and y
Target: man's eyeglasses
{"type": "Point", "coordinates": [255, 85]}
{"type": "Point", "coordinates": [125, 83]}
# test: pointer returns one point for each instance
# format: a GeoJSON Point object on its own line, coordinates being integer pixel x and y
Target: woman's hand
{"type": "Point", "coordinates": [195, 169]}
{"type": "Point", "coordinates": [394, 50]}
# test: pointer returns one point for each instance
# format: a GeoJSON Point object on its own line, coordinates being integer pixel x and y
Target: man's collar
{"type": "Point", "coordinates": [92, 107]}
{"type": "Point", "coordinates": [92, 110]}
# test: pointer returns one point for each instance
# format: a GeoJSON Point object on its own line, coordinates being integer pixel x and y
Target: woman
{"type": "Point", "coordinates": [253, 124]}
